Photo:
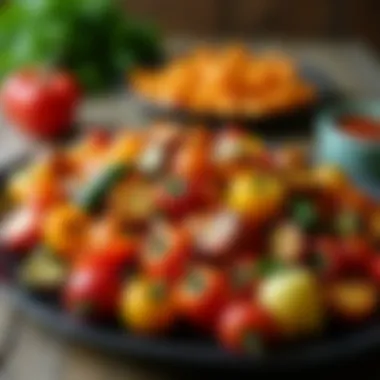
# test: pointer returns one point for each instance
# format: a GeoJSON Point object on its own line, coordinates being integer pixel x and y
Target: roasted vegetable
{"type": "Point", "coordinates": [93, 194]}
{"type": "Point", "coordinates": [43, 271]}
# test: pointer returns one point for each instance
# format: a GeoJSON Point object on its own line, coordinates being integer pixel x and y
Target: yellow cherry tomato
{"type": "Point", "coordinates": [256, 195]}
{"type": "Point", "coordinates": [65, 230]}
{"type": "Point", "coordinates": [126, 147]}
{"type": "Point", "coordinates": [330, 178]}
{"type": "Point", "coordinates": [29, 180]}
{"type": "Point", "coordinates": [352, 300]}
{"type": "Point", "coordinates": [293, 297]}
{"type": "Point", "coordinates": [147, 306]}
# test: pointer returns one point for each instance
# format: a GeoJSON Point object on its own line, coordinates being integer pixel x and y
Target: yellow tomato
{"type": "Point", "coordinates": [27, 181]}
{"type": "Point", "coordinates": [256, 195]}
{"type": "Point", "coordinates": [147, 306]}
{"type": "Point", "coordinates": [132, 201]}
{"type": "Point", "coordinates": [330, 178]}
{"type": "Point", "coordinates": [294, 299]}
{"type": "Point", "coordinates": [65, 230]}
{"type": "Point", "coordinates": [126, 148]}
{"type": "Point", "coordinates": [352, 300]}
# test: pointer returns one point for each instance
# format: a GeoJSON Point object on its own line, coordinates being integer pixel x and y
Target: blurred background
{"type": "Point", "coordinates": [328, 19]}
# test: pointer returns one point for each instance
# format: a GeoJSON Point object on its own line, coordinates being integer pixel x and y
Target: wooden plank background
{"type": "Point", "coordinates": [332, 19]}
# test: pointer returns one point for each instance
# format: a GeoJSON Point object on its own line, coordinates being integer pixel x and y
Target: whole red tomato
{"type": "Point", "coordinates": [21, 231]}
{"type": "Point", "coordinates": [41, 103]}
{"type": "Point", "coordinates": [166, 253]}
{"type": "Point", "coordinates": [201, 295]}
{"type": "Point", "coordinates": [92, 291]}
{"type": "Point", "coordinates": [244, 327]}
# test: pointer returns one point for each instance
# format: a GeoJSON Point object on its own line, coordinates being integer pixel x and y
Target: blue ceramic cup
{"type": "Point", "coordinates": [358, 157]}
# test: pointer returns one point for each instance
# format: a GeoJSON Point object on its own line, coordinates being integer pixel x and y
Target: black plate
{"type": "Point", "coordinates": [184, 349]}
{"type": "Point", "coordinates": [295, 121]}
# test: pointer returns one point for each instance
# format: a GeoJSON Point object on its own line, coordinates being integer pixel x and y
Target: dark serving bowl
{"type": "Point", "coordinates": [292, 122]}
{"type": "Point", "coordinates": [184, 348]}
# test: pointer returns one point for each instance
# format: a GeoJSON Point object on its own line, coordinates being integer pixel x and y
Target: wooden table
{"type": "Point", "coordinates": [38, 355]}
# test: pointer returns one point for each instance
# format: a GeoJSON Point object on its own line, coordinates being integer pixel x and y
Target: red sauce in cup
{"type": "Point", "coordinates": [363, 127]}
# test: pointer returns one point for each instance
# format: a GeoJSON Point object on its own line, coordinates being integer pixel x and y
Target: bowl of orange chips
{"type": "Point", "coordinates": [229, 83]}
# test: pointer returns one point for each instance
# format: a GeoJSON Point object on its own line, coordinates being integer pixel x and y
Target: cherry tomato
{"type": "Point", "coordinates": [65, 230]}
{"type": "Point", "coordinates": [41, 103]}
{"type": "Point", "coordinates": [177, 196]}
{"type": "Point", "coordinates": [294, 299]}
{"type": "Point", "coordinates": [330, 178]}
{"type": "Point", "coordinates": [244, 327]}
{"type": "Point", "coordinates": [126, 147]}
{"type": "Point", "coordinates": [357, 253]}
{"type": "Point", "coordinates": [147, 306]}
{"type": "Point", "coordinates": [327, 258]}
{"type": "Point", "coordinates": [39, 184]}
{"type": "Point", "coordinates": [109, 247]}
{"type": "Point", "coordinates": [352, 300]}
{"type": "Point", "coordinates": [201, 295]}
{"type": "Point", "coordinates": [132, 201]}
{"type": "Point", "coordinates": [21, 231]}
{"type": "Point", "coordinates": [92, 291]}
{"type": "Point", "coordinates": [257, 196]}
{"type": "Point", "coordinates": [192, 162]}
{"type": "Point", "coordinates": [166, 252]}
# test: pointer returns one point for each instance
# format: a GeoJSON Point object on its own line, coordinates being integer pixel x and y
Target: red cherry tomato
{"type": "Point", "coordinates": [177, 196]}
{"type": "Point", "coordinates": [201, 295]}
{"type": "Point", "coordinates": [375, 270]}
{"type": "Point", "coordinates": [109, 248]}
{"type": "Point", "coordinates": [166, 253]}
{"type": "Point", "coordinates": [41, 103]}
{"type": "Point", "coordinates": [21, 231]}
{"type": "Point", "coordinates": [244, 327]}
{"type": "Point", "coordinates": [327, 258]}
{"type": "Point", "coordinates": [192, 163]}
{"type": "Point", "coordinates": [357, 253]}
{"type": "Point", "coordinates": [92, 291]}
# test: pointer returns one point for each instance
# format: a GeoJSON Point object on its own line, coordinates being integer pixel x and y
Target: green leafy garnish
{"type": "Point", "coordinates": [95, 39]}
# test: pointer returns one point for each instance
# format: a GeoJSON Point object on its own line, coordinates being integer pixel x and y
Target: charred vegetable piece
{"type": "Point", "coordinates": [95, 191]}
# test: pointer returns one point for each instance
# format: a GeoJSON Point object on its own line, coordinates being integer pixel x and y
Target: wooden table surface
{"type": "Point", "coordinates": [39, 355]}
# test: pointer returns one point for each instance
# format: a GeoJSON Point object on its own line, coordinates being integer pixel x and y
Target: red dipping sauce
{"type": "Point", "coordinates": [363, 127]}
